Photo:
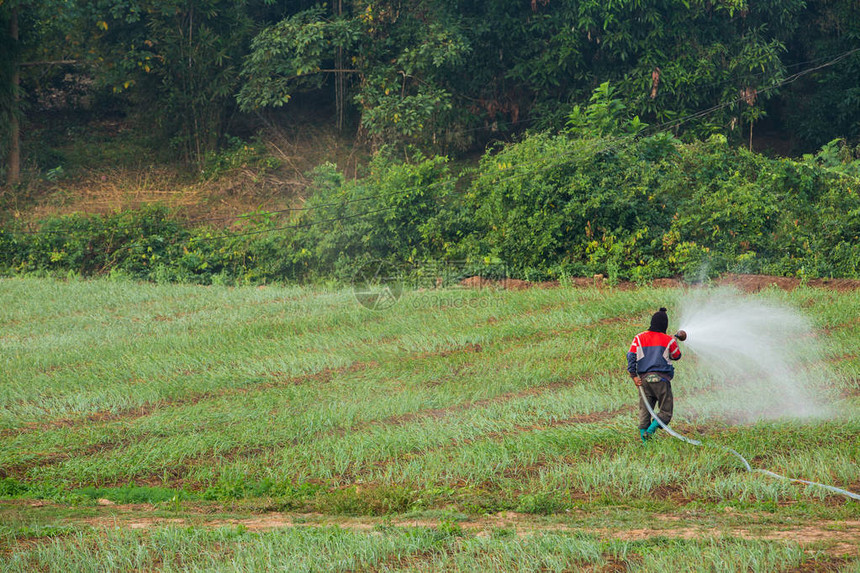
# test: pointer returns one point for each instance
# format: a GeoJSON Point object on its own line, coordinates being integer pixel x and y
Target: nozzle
{"type": "Point", "coordinates": [681, 335]}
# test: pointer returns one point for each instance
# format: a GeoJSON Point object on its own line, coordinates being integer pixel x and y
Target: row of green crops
{"type": "Point", "coordinates": [443, 548]}
{"type": "Point", "coordinates": [549, 206]}
{"type": "Point", "coordinates": [481, 399]}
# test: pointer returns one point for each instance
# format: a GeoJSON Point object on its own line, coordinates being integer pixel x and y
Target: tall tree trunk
{"type": "Point", "coordinates": [338, 77]}
{"type": "Point", "coordinates": [14, 158]}
{"type": "Point", "coordinates": [751, 133]}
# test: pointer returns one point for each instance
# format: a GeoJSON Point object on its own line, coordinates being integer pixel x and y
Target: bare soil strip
{"type": "Point", "coordinates": [841, 538]}
{"type": "Point", "coordinates": [746, 283]}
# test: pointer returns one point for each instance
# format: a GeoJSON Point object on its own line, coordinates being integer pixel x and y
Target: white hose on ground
{"type": "Point", "coordinates": [674, 434]}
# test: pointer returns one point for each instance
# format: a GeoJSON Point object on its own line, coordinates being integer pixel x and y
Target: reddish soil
{"type": "Point", "coordinates": [841, 535]}
{"type": "Point", "coordinates": [755, 283]}
{"type": "Point", "coordinates": [830, 544]}
{"type": "Point", "coordinates": [746, 283]}
{"type": "Point", "coordinates": [507, 284]}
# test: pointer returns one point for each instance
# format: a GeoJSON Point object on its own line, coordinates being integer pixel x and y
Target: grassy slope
{"type": "Point", "coordinates": [459, 402]}
{"type": "Point", "coordinates": [101, 167]}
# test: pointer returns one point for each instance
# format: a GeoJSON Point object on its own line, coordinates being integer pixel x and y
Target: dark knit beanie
{"type": "Point", "coordinates": [659, 321]}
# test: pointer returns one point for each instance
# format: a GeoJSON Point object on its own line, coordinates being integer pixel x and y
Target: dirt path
{"type": "Point", "coordinates": [839, 538]}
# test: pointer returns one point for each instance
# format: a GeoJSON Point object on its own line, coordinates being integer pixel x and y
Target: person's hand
{"type": "Point", "coordinates": [637, 381]}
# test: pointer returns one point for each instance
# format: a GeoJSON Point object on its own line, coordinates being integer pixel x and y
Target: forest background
{"type": "Point", "coordinates": [633, 138]}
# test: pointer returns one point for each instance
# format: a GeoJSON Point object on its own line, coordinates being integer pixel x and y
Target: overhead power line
{"type": "Point", "coordinates": [785, 81]}
{"type": "Point", "coordinates": [655, 128]}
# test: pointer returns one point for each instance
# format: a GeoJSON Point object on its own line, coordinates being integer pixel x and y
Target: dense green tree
{"type": "Point", "coordinates": [398, 57]}
{"type": "Point", "coordinates": [824, 105]}
{"type": "Point", "coordinates": [178, 59]}
{"type": "Point", "coordinates": [669, 58]}
{"type": "Point", "coordinates": [425, 70]}
{"type": "Point", "coordinates": [450, 74]}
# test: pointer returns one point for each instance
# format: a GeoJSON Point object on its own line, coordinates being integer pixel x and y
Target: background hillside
{"type": "Point", "coordinates": [637, 139]}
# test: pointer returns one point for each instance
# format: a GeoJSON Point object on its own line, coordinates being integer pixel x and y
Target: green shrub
{"type": "Point", "coordinates": [543, 503]}
{"type": "Point", "coordinates": [653, 207]}
{"type": "Point", "coordinates": [133, 241]}
{"type": "Point", "coordinates": [10, 487]}
{"type": "Point", "coordinates": [400, 212]}
{"type": "Point", "coordinates": [237, 154]}
{"type": "Point", "coordinates": [549, 206]}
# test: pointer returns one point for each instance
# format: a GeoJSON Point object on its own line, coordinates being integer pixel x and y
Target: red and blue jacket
{"type": "Point", "coordinates": [652, 352]}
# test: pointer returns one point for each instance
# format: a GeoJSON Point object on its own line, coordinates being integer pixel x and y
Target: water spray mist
{"type": "Point", "coordinates": [762, 357]}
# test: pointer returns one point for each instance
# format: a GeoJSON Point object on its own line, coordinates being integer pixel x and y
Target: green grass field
{"type": "Point", "coordinates": [185, 428]}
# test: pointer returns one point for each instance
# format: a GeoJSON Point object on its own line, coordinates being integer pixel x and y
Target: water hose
{"type": "Point", "coordinates": [740, 457]}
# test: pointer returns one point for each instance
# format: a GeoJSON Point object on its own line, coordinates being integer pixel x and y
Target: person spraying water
{"type": "Point", "coordinates": [651, 353]}
{"type": "Point", "coordinates": [649, 363]}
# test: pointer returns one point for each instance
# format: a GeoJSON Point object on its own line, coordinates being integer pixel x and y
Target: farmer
{"type": "Point", "coordinates": [649, 362]}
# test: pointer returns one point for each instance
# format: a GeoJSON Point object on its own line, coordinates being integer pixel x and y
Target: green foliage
{"type": "Point", "coordinates": [543, 503]}
{"type": "Point", "coordinates": [10, 487]}
{"type": "Point", "coordinates": [408, 101]}
{"type": "Point", "coordinates": [605, 115]}
{"type": "Point", "coordinates": [179, 61]}
{"type": "Point", "coordinates": [134, 242]}
{"type": "Point", "coordinates": [237, 154]}
{"type": "Point", "coordinates": [448, 528]}
{"type": "Point", "coordinates": [625, 206]}
{"type": "Point", "coordinates": [603, 198]}
{"type": "Point", "coordinates": [400, 212]}
{"type": "Point", "coordinates": [13, 488]}
{"type": "Point", "coordinates": [824, 106]}
{"type": "Point", "coordinates": [290, 55]}
{"type": "Point", "coordinates": [399, 62]}
{"type": "Point", "coordinates": [136, 494]}
{"type": "Point", "coordinates": [837, 155]}
{"type": "Point", "coordinates": [641, 208]}
{"type": "Point", "coordinates": [445, 76]}
{"type": "Point", "coordinates": [577, 203]}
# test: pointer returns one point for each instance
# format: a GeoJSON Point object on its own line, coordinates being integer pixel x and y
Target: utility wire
{"type": "Point", "coordinates": [341, 204]}
{"type": "Point", "coordinates": [673, 124]}
{"type": "Point", "coordinates": [296, 225]}
{"type": "Point", "coordinates": [655, 128]}
{"type": "Point", "coordinates": [587, 150]}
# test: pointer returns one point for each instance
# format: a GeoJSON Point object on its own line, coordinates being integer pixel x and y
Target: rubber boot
{"type": "Point", "coordinates": [655, 425]}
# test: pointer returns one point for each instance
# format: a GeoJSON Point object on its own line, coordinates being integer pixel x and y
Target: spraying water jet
{"type": "Point", "coordinates": [761, 359]}
{"type": "Point", "coordinates": [746, 339]}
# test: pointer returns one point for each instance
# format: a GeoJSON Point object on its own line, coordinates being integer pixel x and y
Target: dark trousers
{"type": "Point", "coordinates": [658, 390]}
